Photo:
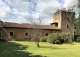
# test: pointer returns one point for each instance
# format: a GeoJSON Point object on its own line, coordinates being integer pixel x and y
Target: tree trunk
{"type": "Point", "coordinates": [38, 44]}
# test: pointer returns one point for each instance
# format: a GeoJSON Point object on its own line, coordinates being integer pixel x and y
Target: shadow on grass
{"type": "Point", "coordinates": [10, 49]}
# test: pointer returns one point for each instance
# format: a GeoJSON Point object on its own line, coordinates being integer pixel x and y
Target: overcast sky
{"type": "Point", "coordinates": [20, 11]}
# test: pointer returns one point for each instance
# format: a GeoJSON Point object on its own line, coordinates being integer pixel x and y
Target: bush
{"type": "Point", "coordinates": [52, 38]}
{"type": "Point", "coordinates": [64, 38]}
{"type": "Point", "coordinates": [57, 41]}
{"type": "Point", "coordinates": [57, 38]}
{"type": "Point", "coordinates": [43, 39]}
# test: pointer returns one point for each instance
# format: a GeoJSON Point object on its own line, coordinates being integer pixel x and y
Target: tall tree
{"type": "Point", "coordinates": [78, 26]}
{"type": "Point", "coordinates": [78, 19]}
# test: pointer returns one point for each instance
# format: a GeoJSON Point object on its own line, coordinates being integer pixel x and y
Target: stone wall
{"type": "Point", "coordinates": [65, 21]}
{"type": "Point", "coordinates": [20, 33]}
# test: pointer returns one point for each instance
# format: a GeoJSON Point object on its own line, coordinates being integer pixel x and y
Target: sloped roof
{"type": "Point", "coordinates": [15, 25]}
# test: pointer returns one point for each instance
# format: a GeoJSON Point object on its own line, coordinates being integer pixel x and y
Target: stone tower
{"type": "Point", "coordinates": [65, 21]}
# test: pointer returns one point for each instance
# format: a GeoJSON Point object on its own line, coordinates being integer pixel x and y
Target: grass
{"type": "Point", "coordinates": [29, 49]}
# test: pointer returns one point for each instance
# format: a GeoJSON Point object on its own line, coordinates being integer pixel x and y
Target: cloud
{"type": "Point", "coordinates": [22, 11]}
{"type": "Point", "coordinates": [68, 3]}
{"type": "Point", "coordinates": [18, 4]}
{"type": "Point", "coordinates": [47, 7]}
{"type": "Point", "coordinates": [5, 11]}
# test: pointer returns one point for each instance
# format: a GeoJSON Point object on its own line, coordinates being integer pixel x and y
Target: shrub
{"type": "Point", "coordinates": [43, 39]}
{"type": "Point", "coordinates": [57, 41]}
{"type": "Point", "coordinates": [52, 38]}
{"type": "Point", "coordinates": [64, 38]}
{"type": "Point", "coordinates": [57, 38]}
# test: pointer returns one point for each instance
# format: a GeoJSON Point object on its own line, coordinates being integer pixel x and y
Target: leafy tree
{"type": "Point", "coordinates": [78, 19]}
{"type": "Point", "coordinates": [78, 26]}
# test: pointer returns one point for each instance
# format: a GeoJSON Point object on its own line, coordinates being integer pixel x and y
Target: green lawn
{"type": "Point", "coordinates": [29, 49]}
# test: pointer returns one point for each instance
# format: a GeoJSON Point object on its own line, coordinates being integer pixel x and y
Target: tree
{"type": "Point", "coordinates": [78, 19]}
{"type": "Point", "coordinates": [35, 32]}
{"type": "Point", "coordinates": [78, 26]}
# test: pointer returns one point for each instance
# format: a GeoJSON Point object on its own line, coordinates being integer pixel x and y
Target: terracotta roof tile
{"type": "Point", "coordinates": [15, 25]}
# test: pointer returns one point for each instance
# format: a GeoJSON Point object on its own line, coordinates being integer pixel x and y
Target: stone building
{"type": "Point", "coordinates": [63, 21]}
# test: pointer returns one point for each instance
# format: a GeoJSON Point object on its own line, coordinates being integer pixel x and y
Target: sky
{"type": "Point", "coordinates": [22, 11]}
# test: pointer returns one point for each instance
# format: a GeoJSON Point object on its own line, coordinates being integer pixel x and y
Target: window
{"type": "Point", "coordinates": [11, 33]}
{"type": "Point", "coordinates": [26, 34]}
{"type": "Point", "coordinates": [67, 26]}
{"type": "Point", "coordinates": [46, 34]}
{"type": "Point", "coordinates": [56, 25]}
